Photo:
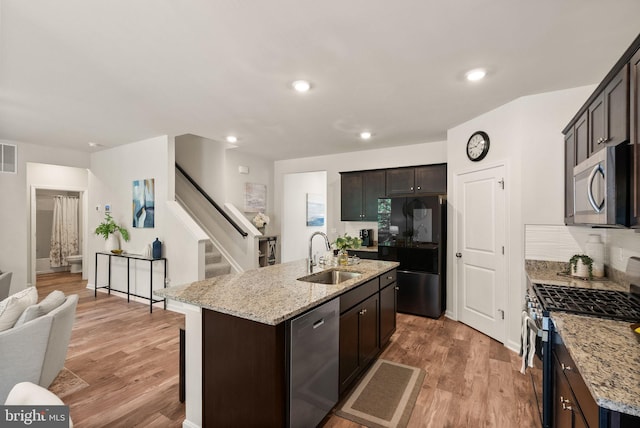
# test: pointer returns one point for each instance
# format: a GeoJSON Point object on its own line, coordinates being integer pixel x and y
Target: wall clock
{"type": "Point", "coordinates": [477, 146]}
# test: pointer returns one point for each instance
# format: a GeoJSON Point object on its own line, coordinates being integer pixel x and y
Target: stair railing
{"type": "Point", "coordinates": [211, 201]}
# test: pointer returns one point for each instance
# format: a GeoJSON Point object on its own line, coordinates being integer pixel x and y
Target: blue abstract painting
{"type": "Point", "coordinates": [143, 203]}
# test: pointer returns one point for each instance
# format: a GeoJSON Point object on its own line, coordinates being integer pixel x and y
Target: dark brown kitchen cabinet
{"type": "Point", "coordinates": [388, 309]}
{"type": "Point", "coordinates": [359, 339]}
{"type": "Point", "coordinates": [575, 151]}
{"type": "Point", "coordinates": [566, 413]}
{"type": "Point", "coordinates": [634, 78]}
{"type": "Point", "coordinates": [400, 181]}
{"type": "Point", "coordinates": [417, 180]}
{"type": "Point", "coordinates": [431, 179]}
{"type": "Point", "coordinates": [609, 114]}
{"type": "Point", "coordinates": [569, 163]}
{"type": "Point", "coordinates": [359, 193]}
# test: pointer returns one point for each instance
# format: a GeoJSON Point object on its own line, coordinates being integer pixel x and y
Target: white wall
{"type": "Point", "coordinates": [526, 136]}
{"type": "Point", "coordinates": [15, 206]}
{"type": "Point", "coordinates": [110, 182]}
{"type": "Point", "coordinates": [415, 154]}
{"type": "Point", "coordinates": [260, 172]}
{"type": "Point", "coordinates": [204, 161]}
{"type": "Point", "coordinates": [294, 215]}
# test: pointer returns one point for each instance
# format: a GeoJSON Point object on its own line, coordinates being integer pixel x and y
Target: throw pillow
{"type": "Point", "coordinates": [12, 307]}
{"type": "Point", "coordinates": [49, 303]}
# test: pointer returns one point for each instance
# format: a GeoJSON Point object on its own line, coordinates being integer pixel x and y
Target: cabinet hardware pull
{"type": "Point", "coordinates": [318, 323]}
{"type": "Point", "coordinates": [565, 368]}
{"type": "Point", "coordinates": [362, 312]}
{"type": "Point", "coordinates": [397, 288]}
{"type": "Point", "coordinates": [411, 188]}
{"type": "Point", "coordinates": [389, 277]}
{"type": "Point", "coordinates": [565, 407]}
{"type": "Point", "coordinates": [419, 187]}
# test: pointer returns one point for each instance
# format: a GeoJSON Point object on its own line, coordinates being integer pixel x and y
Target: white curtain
{"type": "Point", "coordinates": [64, 235]}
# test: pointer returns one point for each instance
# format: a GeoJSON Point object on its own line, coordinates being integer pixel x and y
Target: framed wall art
{"type": "Point", "coordinates": [144, 203]}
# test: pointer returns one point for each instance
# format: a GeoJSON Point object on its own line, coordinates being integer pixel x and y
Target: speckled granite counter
{"type": "Point", "coordinates": [272, 294]}
{"type": "Point", "coordinates": [605, 352]}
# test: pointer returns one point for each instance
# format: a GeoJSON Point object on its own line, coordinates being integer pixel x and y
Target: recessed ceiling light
{"type": "Point", "coordinates": [475, 75]}
{"type": "Point", "coordinates": [366, 135]}
{"type": "Point", "coordinates": [232, 139]}
{"type": "Point", "coordinates": [92, 144]}
{"type": "Point", "coordinates": [301, 85]}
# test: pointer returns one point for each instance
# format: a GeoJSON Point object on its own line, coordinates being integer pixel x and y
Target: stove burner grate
{"type": "Point", "coordinates": [616, 305]}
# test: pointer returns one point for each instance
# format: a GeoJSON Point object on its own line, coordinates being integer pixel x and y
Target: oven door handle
{"type": "Point", "coordinates": [596, 206]}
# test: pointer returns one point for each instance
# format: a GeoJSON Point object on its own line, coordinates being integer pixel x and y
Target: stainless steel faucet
{"type": "Point", "coordinates": [326, 241]}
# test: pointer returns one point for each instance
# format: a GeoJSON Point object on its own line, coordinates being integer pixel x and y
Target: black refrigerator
{"type": "Point", "coordinates": [412, 231]}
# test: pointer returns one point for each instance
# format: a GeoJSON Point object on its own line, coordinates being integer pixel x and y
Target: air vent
{"type": "Point", "coordinates": [8, 158]}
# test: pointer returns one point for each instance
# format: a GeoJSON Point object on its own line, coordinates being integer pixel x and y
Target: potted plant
{"type": "Point", "coordinates": [344, 243]}
{"type": "Point", "coordinates": [581, 265]}
{"type": "Point", "coordinates": [107, 230]}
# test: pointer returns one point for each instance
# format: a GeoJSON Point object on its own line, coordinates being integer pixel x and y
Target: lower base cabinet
{"type": "Point", "coordinates": [388, 309]}
{"type": "Point", "coordinates": [359, 339]}
{"type": "Point", "coordinates": [573, 404]}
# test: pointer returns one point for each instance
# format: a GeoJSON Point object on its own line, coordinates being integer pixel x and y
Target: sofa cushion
{"type": "Point", "coordinates": [12, 307]}
{"type": "Point", "coordinates": [49, 303]}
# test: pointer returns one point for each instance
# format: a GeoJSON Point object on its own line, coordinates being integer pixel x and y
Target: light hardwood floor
{"type": "Point", "coordinates": [129, 358]}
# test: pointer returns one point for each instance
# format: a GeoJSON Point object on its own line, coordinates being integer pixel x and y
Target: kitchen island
{"type": "Point", "coordinates": [237, 327]}
{"type": "Point", "coordinates": [605, 352]}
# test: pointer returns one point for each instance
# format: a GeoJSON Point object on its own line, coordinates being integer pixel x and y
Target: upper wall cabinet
{"type": "Point", "coordinates": [609, 118]}
{"type": "Point", "coordinates": [634, 77]}
{"type": "Point", "coordinates": [417, 180]}
{"type": "Point", "coordinates": [609, 114]}
{"type": "Point", "coordinates": [359, 195]}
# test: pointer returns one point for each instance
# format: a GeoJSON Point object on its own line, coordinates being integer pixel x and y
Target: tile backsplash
{"type": "Point", "coordinates": [559, 243]}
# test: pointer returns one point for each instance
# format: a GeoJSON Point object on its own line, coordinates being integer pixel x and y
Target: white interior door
{"type": "Point", "coordinates": [480, 267]}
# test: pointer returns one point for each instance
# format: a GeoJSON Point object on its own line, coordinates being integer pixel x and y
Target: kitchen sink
{"type": "Point", "coordinates": [330, 276]}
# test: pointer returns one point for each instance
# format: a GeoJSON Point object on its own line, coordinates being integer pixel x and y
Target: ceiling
{"type": "Point", "coordinates": [117, 71]}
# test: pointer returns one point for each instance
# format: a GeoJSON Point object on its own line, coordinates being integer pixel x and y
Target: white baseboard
{"type": "Point", "coordinates": [188, 424]}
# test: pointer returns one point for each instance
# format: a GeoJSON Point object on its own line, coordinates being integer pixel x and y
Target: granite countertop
{"type": "Point", "coordinates": [606, 353]}
{"type": "Point", "coordinates": [272, 294]}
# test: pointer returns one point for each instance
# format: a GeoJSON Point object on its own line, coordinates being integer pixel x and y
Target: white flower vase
{"type": "Point", "coordinates": [112, 243]}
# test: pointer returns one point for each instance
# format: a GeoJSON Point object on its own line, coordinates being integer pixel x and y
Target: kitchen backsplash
{"type": "Point", "coordinates": [559, 243]}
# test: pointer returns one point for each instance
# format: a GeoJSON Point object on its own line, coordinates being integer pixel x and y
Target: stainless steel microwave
{"type": "Point", "coordinates": [601, 188]}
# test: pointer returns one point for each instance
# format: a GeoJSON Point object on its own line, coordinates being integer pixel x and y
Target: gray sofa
{"type": "Point", "coordinates": [36, 350]}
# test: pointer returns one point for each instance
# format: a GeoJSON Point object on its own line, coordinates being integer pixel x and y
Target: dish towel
{"type": "Point", "coordinates": [527, 341]}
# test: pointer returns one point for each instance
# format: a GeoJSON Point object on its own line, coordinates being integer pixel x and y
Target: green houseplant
{"type": "Point", "coordinates": [579, 264]}
{"type": "Point", "coordinates": [108, 228]}
{"type": "Point", "coordinates": [344, 243]}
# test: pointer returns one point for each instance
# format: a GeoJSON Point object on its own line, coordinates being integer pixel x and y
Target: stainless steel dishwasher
{"type": "Point", "coordinates": [313, 375]}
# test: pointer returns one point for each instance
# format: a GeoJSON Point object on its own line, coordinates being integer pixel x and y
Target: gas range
{"type": "Point", "coordinates": [610, 304]}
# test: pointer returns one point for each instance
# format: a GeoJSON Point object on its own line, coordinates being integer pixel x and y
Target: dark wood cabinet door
{"type": "Point", "coordinates": [581, 135]}
{"type": "Point", "coordinates": [563, 417]}
{"type": "Point", "coordinates": [616, 98]}
{"type": "Point", "coordinates": [400, 181]}
{"type": "Point", "coordinates": [634, 77]}
{"type": "Point", "coordinates": [373, 187]}
{"type": "Point", "coordinates": [569, 163]}
{"type": "Point", "coordinates": [351, 196]}
{"type": "Point", "coordinates": [387, 313]}
{"type": "Point", "coordinates": [431, 179]}
{"type": "Point", "coordinates": [349, 347]}
{"type": "Point", "coordinates": [597, 128]}
{"type": "Point", "coordinates": [369, 333]}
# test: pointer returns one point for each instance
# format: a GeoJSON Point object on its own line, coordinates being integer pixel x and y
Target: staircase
{"type": "Point", "coordinates": [214, 264]}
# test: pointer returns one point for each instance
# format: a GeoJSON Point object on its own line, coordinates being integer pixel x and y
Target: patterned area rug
{"type": "Point", "coordinates": [66, 383]}
{"type": "Point", "coordinates": [385, 396]}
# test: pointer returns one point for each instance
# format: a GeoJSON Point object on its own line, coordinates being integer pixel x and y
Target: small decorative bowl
{"type": "Point", "coordinates": [118, 252]}
{"type": "Point", "coordinates": [636, 330]}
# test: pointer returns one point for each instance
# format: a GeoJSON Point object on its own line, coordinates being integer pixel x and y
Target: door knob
{"type": "Point", "coordinates": [458, 255]}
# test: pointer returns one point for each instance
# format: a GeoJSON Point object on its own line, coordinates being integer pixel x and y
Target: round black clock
{"type": "Point", "coordinates": [478, 146]}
